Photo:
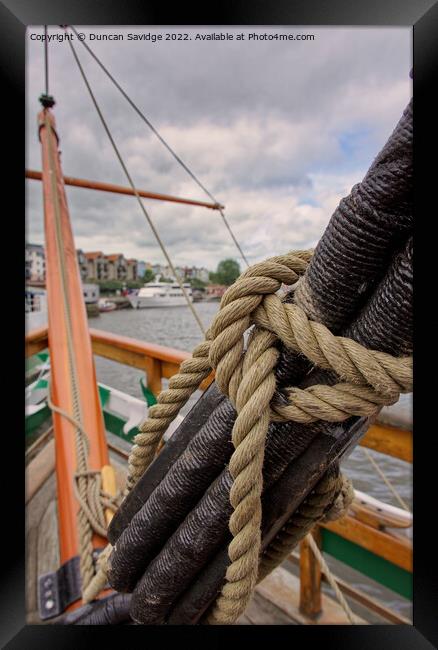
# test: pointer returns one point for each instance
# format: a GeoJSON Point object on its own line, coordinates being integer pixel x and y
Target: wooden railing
{"type": "Point", "coordinates": [159, 362]}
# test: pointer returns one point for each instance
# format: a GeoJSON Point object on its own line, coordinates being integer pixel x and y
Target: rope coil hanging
{"type": "Point", "coordinates": [248, 379]}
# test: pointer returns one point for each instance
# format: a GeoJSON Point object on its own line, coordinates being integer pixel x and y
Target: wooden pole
{"type": "Point", "coordinates": [120, 189]}
{"type": "Point", "coordinates": [73, 375]}
{"type": "Point", "coordinates": [310, 578]}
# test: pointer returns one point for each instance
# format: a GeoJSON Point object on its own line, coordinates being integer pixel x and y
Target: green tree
{"type": "Point", "coordinates": [134, 284]}
{"type": "Point", "coordinates": [227, 272]}
{"type": "Point", "coordinates": [109, 286]}
{"type": "Point", "coordinates": [148, 276]}
{"type": "Point", "coordinates": [196, 283]}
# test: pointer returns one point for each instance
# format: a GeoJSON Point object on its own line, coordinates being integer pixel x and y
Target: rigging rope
{"type": "Point", "coordinates": [131, 182]}
{"type": "Point", "coordinates": [96, 500]}
{"type": "Point", "coordinates": [166, 145]}
{"type": "Point", "coordinates": [46, 60]}
{"type": "Point", "coordinates": [386, 480]}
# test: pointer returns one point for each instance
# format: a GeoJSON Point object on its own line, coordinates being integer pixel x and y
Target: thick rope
{"type": "Point", "coordinates": [94, 500]}
{"type": "Point", "coordinates": [329, 500]}
{"type": "Point", "coordinates": [372, 379]}
{"type": "Point", "coordinates": [320, 503]}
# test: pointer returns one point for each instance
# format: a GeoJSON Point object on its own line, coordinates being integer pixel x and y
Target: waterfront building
{"type": "Point", "coordinates": [132, 269]}
{"type": "Point", "coordinates": [35, 263]}
{"type": "Point", "coordinates": [97, 266]}
{"type": "Point", "coordinates": [82, 263]}
{"type": "Point", "coordinates": [117, 267]}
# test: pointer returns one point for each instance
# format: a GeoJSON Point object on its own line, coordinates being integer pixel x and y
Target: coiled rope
{"type": "Point", "coordinates": [370, 379]}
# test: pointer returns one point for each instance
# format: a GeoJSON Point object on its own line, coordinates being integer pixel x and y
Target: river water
{"type": "Point", "coordinates": [176, 327]}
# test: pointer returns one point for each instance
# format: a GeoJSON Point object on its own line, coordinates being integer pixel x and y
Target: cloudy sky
{"type": "Point", "coordinates": [278, 131]}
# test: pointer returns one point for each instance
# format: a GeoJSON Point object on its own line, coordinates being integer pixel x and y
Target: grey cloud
{"type": "Point", "coordinates": [260, 123]}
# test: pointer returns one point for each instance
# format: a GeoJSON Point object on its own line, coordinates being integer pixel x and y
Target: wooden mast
{"type": "Point", "coordinates": [73, 376]}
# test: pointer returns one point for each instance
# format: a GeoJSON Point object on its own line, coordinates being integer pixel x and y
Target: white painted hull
{"type": "Point", "coordinates": [147, 302]}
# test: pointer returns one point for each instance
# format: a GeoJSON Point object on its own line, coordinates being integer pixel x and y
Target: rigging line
{"type": "Point", "coordinates": [46, 60]}
{"type": "Point", "coordinates": [331, 580]}
{"type": "Point", "coordinates": [131, 182]}
{"type": "Point", "coordinates": [163, 141]}
{"type": "Point", "coordinates": [386, 480]}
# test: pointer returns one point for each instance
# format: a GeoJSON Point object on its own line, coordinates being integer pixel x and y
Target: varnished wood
{"type": "Point", "coordinates": [154, 374]}
{"type": "Point", "coordinates": [283, 590]}
{"type": "Point", "coordinates": [35, 341]}
{"type": "Point", "coordinates": [120, 189]}
{"type": "Point", "coordinates": [378, 514]}
{"type": "Point", "coordinates": [110, 487]}
{"type": "Point", "coordinates": [310, 578]}
{"type": "Point", "coordinates": [391, 441]}
{"type": "Point", "coordinates": [397, 550]}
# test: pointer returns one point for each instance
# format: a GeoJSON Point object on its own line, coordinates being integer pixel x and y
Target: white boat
{"type": "Point", "coordinates": [106, 305]}
{"type": "Point", "coordinates": [161, 294]}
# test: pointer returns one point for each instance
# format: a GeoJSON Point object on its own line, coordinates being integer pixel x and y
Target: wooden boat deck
{"type": "Point", "coordinates": [276, 601]}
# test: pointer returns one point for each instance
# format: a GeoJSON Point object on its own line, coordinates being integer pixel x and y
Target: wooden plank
{"type": "Point", "coordinates": [390, 441]}
{"type": "Point", "coordinates": [48, 541]}
{"type": "Point", "coordinates": [397, 550]}
{"type": "Point", "coordinates": [37, 506]}
{"type": "Point", "coordinates": [39, 469]}
{"type": "Point", "coordinates": [282, 589]}
{"type": "Point", "coordinates": [127, 351]}
{"type": "Point", "coordinates": [31, 569]}
{"type": "Point", "coordinates": [262, 612]}
{"type": "Point", "coordinates": [126, 343]}
{"type": "Point", "coordinates": [127, 357]}
{"type": "Point", "coordinates": [378, 514]}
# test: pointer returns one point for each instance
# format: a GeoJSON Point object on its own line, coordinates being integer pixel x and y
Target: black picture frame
{"type": "Point", "coordinates": [422, 15]}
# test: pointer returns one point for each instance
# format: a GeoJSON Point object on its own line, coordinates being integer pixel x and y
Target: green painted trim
{"type": "Point", "coordinates": [104, 394]}
{"type": "Point", "coordinates": [36, 419]}
{"type": "Point", "coordinates": [114, 424]}
{"type": "Point", "coordinates": [147, 394]}
{"type": "Point", "coordinates": [377, 568]}
{"type": "Point", "coordinates": [36, 360]}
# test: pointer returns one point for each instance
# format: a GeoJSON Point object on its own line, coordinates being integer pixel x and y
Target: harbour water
{"type": "Point", "coordinates": [176, 327]}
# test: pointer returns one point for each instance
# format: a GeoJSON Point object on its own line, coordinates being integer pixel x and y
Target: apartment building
{"type": "Point", "coordinates": [35, 262]}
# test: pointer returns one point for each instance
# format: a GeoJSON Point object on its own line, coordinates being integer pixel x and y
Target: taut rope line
{"type": "Point", "coordinates": [371, 379]}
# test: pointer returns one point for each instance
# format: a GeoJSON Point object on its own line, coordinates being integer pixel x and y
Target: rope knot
{"type": "Point", "coordinates": [368, 380]}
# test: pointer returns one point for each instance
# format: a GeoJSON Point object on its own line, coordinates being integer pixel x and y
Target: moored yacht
{"type": "Point", "coordinates": [161, 294]}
